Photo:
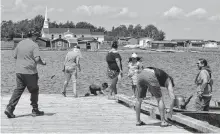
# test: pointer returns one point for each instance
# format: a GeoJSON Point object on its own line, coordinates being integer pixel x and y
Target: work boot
{"type": "Point", "coordinates": [36, 112]}
{"type": "Point", "coordinates": [9, 112]}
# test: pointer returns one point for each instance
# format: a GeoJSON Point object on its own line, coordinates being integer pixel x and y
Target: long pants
{"type": "Point", "coordinates": [25, 80]}
{"type": "Point", "coordinates": [202, 103]}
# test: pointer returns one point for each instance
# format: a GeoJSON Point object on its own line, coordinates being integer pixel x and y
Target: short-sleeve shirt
{"type": "Point", "coordinates": [94, 88]}
{"type": "Point", "coordinates": [25, 54]}
{"type": "Point", "coordinates": [161, 75]}
{"type": "Point", "coordinates": [111, 60]}
{"type": "Point", "coordinates": [70, 60]}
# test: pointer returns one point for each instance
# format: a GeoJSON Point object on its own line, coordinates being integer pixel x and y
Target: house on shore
{"type": "Point", "coordinates": [71, 35]}
{"type": "Point", "coordinates": [89, 43]}
{"type": "Point", "coordinates": [144, 42]}
{"type": "Point", "coordinates": [162, 44]}
{"type": "Point", "coordinates": [189, 42]}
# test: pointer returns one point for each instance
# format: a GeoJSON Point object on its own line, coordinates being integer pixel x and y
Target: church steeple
{"type": "Point", "coordinates": [46, 24]}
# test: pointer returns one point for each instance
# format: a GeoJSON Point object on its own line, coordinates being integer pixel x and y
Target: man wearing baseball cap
{"type": "Point", "coordinates": [27, 57]}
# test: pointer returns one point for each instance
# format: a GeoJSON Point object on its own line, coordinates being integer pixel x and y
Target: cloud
{"type": "Point", "coordinates": [174, 13]}
{"type": "Point", "coordinates": [94, 10]}
{"type": "Point", "coordinates": [187, 29]}
{"type": "Point", "coordinates": [214, 18]}
{"type": "Point", "coordinates": [19, 5]}
{"type": "Point", "coordinates": [101, 10]}
{"type": "Point", "coordinates": [60, 10]}
{"type": "Point", "coordinates": [198, 13]}
{"type": "Point", "coordinates": [50, 9]}
{"type": "Point", "coordinates": [124, 12]}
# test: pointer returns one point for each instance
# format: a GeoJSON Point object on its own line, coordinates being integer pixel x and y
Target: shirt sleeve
{"type": "Point", "coordinates": [36, 51]}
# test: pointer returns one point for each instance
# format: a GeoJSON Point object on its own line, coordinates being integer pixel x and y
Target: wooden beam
{"type": "Point", "coordinates": [178, 117]}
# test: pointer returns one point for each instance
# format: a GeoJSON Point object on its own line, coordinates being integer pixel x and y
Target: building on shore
{"type": "Point", "coordinates": [70, 35]}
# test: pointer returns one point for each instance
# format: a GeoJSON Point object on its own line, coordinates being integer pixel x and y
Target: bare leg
{"type": "Point", "coordinates": [67, 79]}
{"type": "Point", "coordinates": [161, 108]}
{"type": "Point", "coordinates": [138, 110]}
{"type": "Point", "coordinates": [113, 86]}
{"type": "Point", "coordinates": [74, 84]}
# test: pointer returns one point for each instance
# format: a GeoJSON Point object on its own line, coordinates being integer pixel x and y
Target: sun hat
{"type": "Point", "coordinates": [134, 55]}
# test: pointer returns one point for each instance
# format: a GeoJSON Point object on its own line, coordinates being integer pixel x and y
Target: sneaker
{"type": "Point", "coordinates": [36, 112]}
{"type": "Point", "coordinates": [9, 113]}
{"type": "Point", "coordinates": [63, 93]}
{"type": "Point", "coordinates": [87, 94]}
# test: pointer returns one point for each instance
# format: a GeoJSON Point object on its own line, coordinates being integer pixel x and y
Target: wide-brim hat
{"type": "Point", "coordinates": [134, 55]}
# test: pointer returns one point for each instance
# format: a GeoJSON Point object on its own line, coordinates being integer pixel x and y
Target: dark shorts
{"type": "Point", "coordinates": [112, 73]}
{"type": "Point", "coordinates": [147, 81]}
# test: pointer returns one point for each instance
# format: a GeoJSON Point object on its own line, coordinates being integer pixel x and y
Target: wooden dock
{"type": "Point", "coordinates": [150, 106]}
{"type": "Point", "coordinates": [78, 115]}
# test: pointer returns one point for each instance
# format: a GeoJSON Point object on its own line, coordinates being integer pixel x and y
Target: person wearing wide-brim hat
{"type": "Point", "coordinates": [134, 66]}
{"type": "Point", "coordinates": [134, 56]}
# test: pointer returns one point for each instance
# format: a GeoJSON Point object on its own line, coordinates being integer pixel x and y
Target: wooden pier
{"type": "Point", "coordinates": [78, 115]}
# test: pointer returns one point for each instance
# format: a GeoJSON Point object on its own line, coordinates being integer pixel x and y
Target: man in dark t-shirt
{"type": "Point", "coordinates": [152, 79]}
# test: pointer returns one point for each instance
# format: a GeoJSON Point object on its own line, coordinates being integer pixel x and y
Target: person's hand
{"type": "Point", "coordinates": [44, 62]}
{"type": "Point", "coordinates": [121, 73]}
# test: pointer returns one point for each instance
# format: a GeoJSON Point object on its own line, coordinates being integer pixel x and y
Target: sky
{"type": "Point", "coordinates": [179, 19]}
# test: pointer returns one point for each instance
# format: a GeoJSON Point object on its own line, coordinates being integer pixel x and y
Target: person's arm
{"type": "Point", "coordinates": [102, 92]}
{"type": "Point", "coordinates": [77, 62]}
{"type": "Point", "coordinates": [37, 57]}
{"type": "Point", "coordinates": [15, 52]}
{"type": "Point", "coordinates": [171, 94]}
{"type": "Point", "coordinates": [118, 61]}
{"type": "Point", "coordinates": [65, 61]}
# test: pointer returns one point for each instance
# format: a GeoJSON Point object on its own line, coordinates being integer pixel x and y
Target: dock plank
{"type": "Point", "coordinates": [77, 115]}
{"type": "Point", "coordinates": [151, 107]}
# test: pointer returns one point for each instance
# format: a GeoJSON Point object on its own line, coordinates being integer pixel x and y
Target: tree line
{"type": "Point", "coordinates": [19, 29]}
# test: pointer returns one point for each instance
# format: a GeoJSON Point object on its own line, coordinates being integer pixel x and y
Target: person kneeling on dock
{"type": "Point", "coordinates": [152, 79]}
{"type": "Point", "coordinates": [94, 89]}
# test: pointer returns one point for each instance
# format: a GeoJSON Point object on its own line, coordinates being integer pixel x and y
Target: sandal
{"type": "Point", "coordinates": [140, 123]}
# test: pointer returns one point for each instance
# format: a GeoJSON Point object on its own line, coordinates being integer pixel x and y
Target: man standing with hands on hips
{"type": "Point", "coordinates": [27, 57]}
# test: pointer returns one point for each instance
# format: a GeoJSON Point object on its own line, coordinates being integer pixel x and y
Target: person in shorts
{"type": "Point", "coordinates": [152, 79]}
{"type": "Point", "coordinates": [134, 67]}
{"type": "Point", "coordinates": [114, 69]}
{"type": "Point", "coordinates": [71, 64]}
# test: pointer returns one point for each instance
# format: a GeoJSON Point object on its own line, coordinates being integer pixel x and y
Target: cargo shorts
{"type": "Point", "coordinates": [147, 80]}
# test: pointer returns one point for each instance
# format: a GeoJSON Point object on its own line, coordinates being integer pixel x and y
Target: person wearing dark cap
{"type": "Point", "coordinates": [27, 57]}
{"type": "Point", "coordinates": [114, 70]}
{"type": "Point", "coordinates": [71, 64]}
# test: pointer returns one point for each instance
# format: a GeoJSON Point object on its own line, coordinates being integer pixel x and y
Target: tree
{"type": "Point", "coordinates": [130, 30]}
{"type": "Point", "coordinates": [137, 30]}
{"type": "Point", "coordinates": [85, 25]}
{"type": "Point", "coordinates": [161, 36]}
{"type": "Point", "coordinates": [151, 31]}
{"type": "Point", "coordinates": [100, 29]}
